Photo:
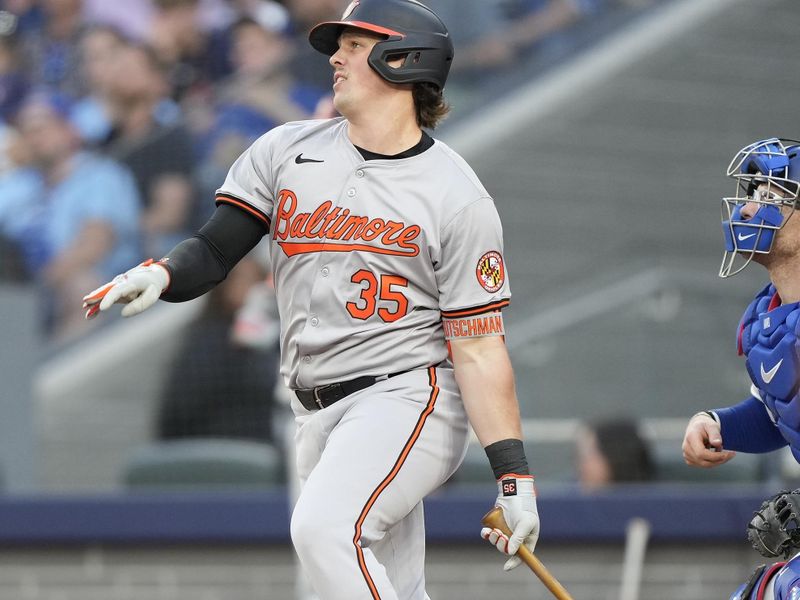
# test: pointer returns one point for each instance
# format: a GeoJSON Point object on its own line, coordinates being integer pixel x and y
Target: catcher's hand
{"type": "Point", "coordinates": [138, 288]}
{"type": "Point", "coordinates": [702, 443]}
{"type": "Point", "coordinates": [517, 497]}
{"type": "Point", "coordinates": [774, 529]}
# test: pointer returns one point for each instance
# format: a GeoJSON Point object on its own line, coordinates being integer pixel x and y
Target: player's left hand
{"type": "Point", "coordinates": [517, 498]}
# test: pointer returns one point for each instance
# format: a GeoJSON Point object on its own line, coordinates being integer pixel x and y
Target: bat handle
{"type": "Point", "coordinates": [494, 519]}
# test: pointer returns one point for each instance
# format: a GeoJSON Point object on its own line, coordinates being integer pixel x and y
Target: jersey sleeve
{"type": "Point", "coordinates": [249, 184]}
{"type": "Point", "coordinates": [471, 273]}
{"type": "Point", "coordinates": [747, 427]}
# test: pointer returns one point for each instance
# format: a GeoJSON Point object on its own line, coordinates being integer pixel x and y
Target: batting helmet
{"type": "Point", "coordinates": [412, 30]}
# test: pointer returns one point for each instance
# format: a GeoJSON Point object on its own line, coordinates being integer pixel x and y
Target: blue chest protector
{"type": "Point", "coordinates": [768, 339]}
{"type": "Point", "coordinates": [785, 579]}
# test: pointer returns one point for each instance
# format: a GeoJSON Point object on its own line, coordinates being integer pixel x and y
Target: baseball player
{"type": "Point", "coordinates": [387, 256]}
{"type": "Point", "coordinates": [758, 225]}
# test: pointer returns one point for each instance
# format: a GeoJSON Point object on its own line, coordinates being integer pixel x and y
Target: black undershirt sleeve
{"type": "Point", "coordinates": [199, 263]}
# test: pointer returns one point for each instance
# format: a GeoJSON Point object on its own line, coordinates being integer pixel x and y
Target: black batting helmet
{"type": "Point", "coordinates": [412, 30]}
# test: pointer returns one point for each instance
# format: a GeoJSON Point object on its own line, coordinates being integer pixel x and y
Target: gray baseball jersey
{"type": "Point", "coordinates": [369, 256]}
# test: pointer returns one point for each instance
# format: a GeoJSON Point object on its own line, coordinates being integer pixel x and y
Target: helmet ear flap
{"type": "Point", "coordinates": [427, 62]}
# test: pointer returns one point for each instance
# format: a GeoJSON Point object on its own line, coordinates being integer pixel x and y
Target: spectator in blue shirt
{"type": "Point", "coordinates": [75, 215]}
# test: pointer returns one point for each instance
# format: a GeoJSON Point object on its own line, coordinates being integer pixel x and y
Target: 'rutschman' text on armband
{"type": "Point", "coordinates": [474, 326]}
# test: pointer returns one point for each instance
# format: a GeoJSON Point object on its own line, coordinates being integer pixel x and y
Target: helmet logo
{"type": "Point", "coordinates": [351, 7]}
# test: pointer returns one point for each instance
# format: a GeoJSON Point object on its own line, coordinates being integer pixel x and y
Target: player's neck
{"type": "Point", "coordinates": [786, 278]}
{"type": "Point", "coordinates": [384, 134]}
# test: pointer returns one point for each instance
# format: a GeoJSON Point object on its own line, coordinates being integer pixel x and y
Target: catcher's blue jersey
{"type": "Point", "coordinates": [768, 338]}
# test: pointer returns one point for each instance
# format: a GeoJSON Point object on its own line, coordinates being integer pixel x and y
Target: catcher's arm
{"type": "Point", "coordinates": [744, 427]}
{"type": "Point", "coordinates": [702, 442]}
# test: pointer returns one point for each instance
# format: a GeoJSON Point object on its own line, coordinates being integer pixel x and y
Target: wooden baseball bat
{"type": "Point", "coordinates": [494, 519]}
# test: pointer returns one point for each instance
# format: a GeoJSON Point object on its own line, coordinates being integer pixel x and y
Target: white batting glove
{"type": "Point", "coordinates": [517, 497]}
{"type": "Point", "coordinates": [138, 289]}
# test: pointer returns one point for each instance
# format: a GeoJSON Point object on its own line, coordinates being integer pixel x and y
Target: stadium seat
{"type": "Point", "coordinates": [204, 463]}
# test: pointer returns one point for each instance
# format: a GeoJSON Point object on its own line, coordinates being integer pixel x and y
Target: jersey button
{"type": "Point", "coordinates": [360, 173]}
{"type": "Point", "coordinates": [325, 271]}
{"type": "Point", "coordinates": [306, 359]}
{"type": "Point", "coordinates": [351, 192]}
{"type": "Point", "coordinates": [314, 321]}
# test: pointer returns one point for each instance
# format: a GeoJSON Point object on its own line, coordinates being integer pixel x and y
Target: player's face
{"type": "Point", "coordinates": [763, 194]}
{"type": "Point", "coordinates": [356, 85]}
{"type": "Point", "coordinates": [787, 238]}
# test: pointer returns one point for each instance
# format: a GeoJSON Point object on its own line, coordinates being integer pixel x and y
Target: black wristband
{"type": "Point", "coordinates": [507, 456]}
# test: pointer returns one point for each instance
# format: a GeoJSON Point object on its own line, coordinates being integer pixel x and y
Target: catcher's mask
{"type": "Point", "coordinates": [412, 31]}
{"type": "Point", "coordinates": [767, 172]}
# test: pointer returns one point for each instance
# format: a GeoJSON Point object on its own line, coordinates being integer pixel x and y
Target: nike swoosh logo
{"type": "Point", "coordinates": [768, 375]}
{"type": "Point", "coordinates": [300, 160]}
{"type": "Point", "coordinates": [745, 237]}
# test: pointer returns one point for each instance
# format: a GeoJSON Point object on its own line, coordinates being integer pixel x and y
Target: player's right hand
{"type": "Point", "coordinates": [138, 289]}
{"type": "Point", "coordinates": [702, 443]}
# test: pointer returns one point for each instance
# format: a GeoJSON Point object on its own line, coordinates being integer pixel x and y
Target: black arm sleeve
{"type": "Point", "coordinates": [198, 264]}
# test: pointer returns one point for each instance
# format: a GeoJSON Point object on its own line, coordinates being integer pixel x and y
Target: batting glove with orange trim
{"type": "Point", "coordinates": [138, 289]}
{"type": "Point", "coordinates": [517, 497]}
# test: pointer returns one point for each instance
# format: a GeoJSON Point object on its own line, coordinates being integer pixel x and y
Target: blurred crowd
{"type": "Point", "coordinates": [118, 120]}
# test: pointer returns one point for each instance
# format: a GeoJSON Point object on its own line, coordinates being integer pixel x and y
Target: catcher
{"type": "Point", "coordinates": [758, 227]}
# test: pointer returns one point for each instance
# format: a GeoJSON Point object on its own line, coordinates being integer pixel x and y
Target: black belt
{"type": "Point", "coordinates": [325, 395]}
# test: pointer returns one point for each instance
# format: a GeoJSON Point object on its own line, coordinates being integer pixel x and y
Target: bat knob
{"type": "Point", "coordinates": [494, 519]}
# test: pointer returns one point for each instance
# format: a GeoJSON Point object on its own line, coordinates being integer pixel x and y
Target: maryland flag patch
{"type": "Point", "coordinates": [491, 272]}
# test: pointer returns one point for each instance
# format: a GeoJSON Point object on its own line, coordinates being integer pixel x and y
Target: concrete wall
{"type": "Point", "coordinates": [19, 352]}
